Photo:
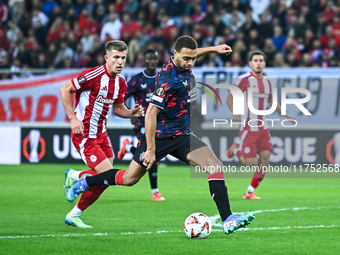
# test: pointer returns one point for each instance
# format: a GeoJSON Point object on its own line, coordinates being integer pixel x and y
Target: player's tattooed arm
{"type": "Point", "coordinates": [220, 49]}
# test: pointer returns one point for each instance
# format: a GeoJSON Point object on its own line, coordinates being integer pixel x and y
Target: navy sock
{"type": "Point", "coordinates": [219, 193]}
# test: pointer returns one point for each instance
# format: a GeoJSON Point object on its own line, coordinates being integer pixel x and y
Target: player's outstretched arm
{"type": "Point", "coordinates": [221, 49]}
{"type": "Point", "coordinates": [65, 91]}
{"type": "Point", "coordinates": [122, 111]}
{"type": "Point", "coordinates": [150, 133]}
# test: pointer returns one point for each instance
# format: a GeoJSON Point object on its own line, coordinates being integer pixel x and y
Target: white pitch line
{"type": "Point", "coordinates": [91, 234]}
{"type": "Point", "coordinates": [164, 232]}
{"type": "Point", "coordinates": [281, 228]}
{"type": "Point", "coordinates": [215, 217]}
{"type": "Point", "coordinates": [292, 209]}
{"type": "Point", "coordinates": [212, 218]}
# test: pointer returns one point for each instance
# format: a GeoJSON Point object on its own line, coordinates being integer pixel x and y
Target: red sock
{"type": "Point", "coordinates": [119, 177]}
{"type": "Point", "coordinates": [90, 195]}
{"type": "Point", "coordinates": [216, 176]}
{"type": "Point", "coordinates": [257, 178]}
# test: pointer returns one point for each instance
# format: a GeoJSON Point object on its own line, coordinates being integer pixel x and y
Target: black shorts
{"type": "Point", "coordinates": [178, 146]}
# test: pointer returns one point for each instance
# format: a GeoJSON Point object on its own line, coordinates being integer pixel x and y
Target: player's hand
{"type": "Point", "coordinates": [291, 119]}
{"type": "Point", "coordinates": [77, 126]}
{"type": "Point", "coordinates": [236, 117]}
{"type": "Point", "coordinates": [135, 121]}
{"type": "Point", "coordinates": [137, 111]}
{"type": "Point", "coordinates": [149, 159]}
{"type": "Point", "coordinates": [223, 49]}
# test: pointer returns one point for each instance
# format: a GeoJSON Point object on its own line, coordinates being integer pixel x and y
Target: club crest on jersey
{"type": "Point", "coordinates": [160, 92]}
{"type": "Point", "coordinates": [81, 80]}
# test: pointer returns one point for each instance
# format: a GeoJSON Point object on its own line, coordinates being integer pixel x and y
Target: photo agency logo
{"type": "Point", "coordinates": [240, 101]}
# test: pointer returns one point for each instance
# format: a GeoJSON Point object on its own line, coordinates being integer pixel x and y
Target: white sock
{"type": "Point", "coordinates": [250, 189]}
{"type": "Point", "coordinates": [75, 212]}
{"type": "Point", "coordinates": [154, 191]}
{"type": "Point", "coordinates": [128, 147]}
{"type": "Point", "coordinates": [75, 176]}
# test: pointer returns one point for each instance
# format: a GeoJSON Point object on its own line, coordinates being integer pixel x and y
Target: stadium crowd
{"type": "Point", "coordinates": [72, 33]}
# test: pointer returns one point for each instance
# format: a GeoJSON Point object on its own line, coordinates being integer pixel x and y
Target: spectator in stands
{"type": "Point", "coordinates": [321, 25]}
{"type": "Point", "coordinates": [316, 53]}
{"type": "Point", "coordinates": [37, 15]}
{"type": "Point", "coordinates": [112, 28]}
{"type": "Point", "coordinates": [55, 30]}
{"type": "Point", "coordinates": [324, 40]}
{"type": "Point", "coordinates": [278, 38]}
{"type": "Point", "coordinates": [71, 16]}
{"type": "Point", "coordinates": [249, 24]}
{"type": "Point", "coordinates": [131, 7]}
{"type": "Point", "coordinates": [48, 6]}
{"type": "Point", "coordinates": [306, 21]}
{"type": "Point", "coordinates": [264, 28]}
{"type": "Point", "coordinates": [87, 40]}
{"type": "Point", "coordinates": [279, 60]}
{"type": "Point", "coordinates": [99, 13]}
{"type": "Point", "coordinates": [42, 61]}
{"type": "Point", "coordinates": [40, 33]}
{"type": "Point", "coordinates": [12, 32]}
{"type": "Point", "coordinates": [270, 50]}
{"type": "Point", "coordinates": [3, 12]}
{"type": "Point", "coordinates": [4, 41]}
{"type": "Point", "coordinates": [129, 25]}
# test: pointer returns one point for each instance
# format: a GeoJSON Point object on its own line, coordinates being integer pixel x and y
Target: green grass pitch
{"type": "Point", "coordinates": [294, 216]}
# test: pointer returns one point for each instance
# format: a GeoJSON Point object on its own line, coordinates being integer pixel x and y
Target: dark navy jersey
{"type": "Point", "coordinates": [141, 87]}
{"type": "Point", "coordinates": [175, 94]}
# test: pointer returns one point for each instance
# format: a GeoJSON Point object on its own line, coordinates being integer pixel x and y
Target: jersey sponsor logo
{"type": "Point", "coordinates": [101, 99]}
{"type": "Point", "coordinates": [157, 98]}
{"type": "Point", "coordinates": [185, 83]}
{"type": "Point", "coordinates": [160, 92]}
{"type": "Point", "coordinates": [81, 80]}
{"type": "Point", "coordinates": [148, 97]}
{"type": "Point", "coordinates": [260, 95]}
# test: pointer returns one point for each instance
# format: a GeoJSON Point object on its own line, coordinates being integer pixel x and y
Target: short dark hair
{"type": "Point", "coordinates": [116, 45]}
{"type": "Point", "coordinates": [256, 52]}
{"type": "Point", "coordinates": [185, 41]}
{"type": "Point", "coordinates": [149, 51]}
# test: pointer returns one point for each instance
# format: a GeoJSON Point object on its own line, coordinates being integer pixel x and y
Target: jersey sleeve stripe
{"type": "Point", "coordinates": [76, 83]}
{"type": "Point", "coordinates": [94, 73]}
{"type": "Point", "coordinates": [157, 106]}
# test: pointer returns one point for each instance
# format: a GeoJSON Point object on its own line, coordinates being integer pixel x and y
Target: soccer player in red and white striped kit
{"type": "Point", "coordinates": [255, 138]}
{"type": "Point", "coordinates": [99, 91]}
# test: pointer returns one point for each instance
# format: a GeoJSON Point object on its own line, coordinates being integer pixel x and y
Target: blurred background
{"type": "Point", "coordinates": [43, 44]}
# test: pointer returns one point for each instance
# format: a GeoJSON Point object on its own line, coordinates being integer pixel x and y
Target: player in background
{"type": "Point", "coordinates": [99, 91]}
{"type": "Point", "coordinates": [141, 87]}
{"type": "Point", "coordinates": [255, 139]}
{"type": "Point", "coordinates": [335, 141]}
{"type": "Point", "coordinates": [167, 131]}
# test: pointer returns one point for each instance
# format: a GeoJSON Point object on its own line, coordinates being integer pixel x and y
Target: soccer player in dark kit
{"type": "Point", "coordinates": [141, 88]}
{"type": "Point", "coordinates": [167, 131]}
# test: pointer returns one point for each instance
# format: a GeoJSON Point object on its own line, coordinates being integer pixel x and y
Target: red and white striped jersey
{"type": "Point", "coordinates": [96, 92]}
{"type": "Point", "coordinates": [262, 92]}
